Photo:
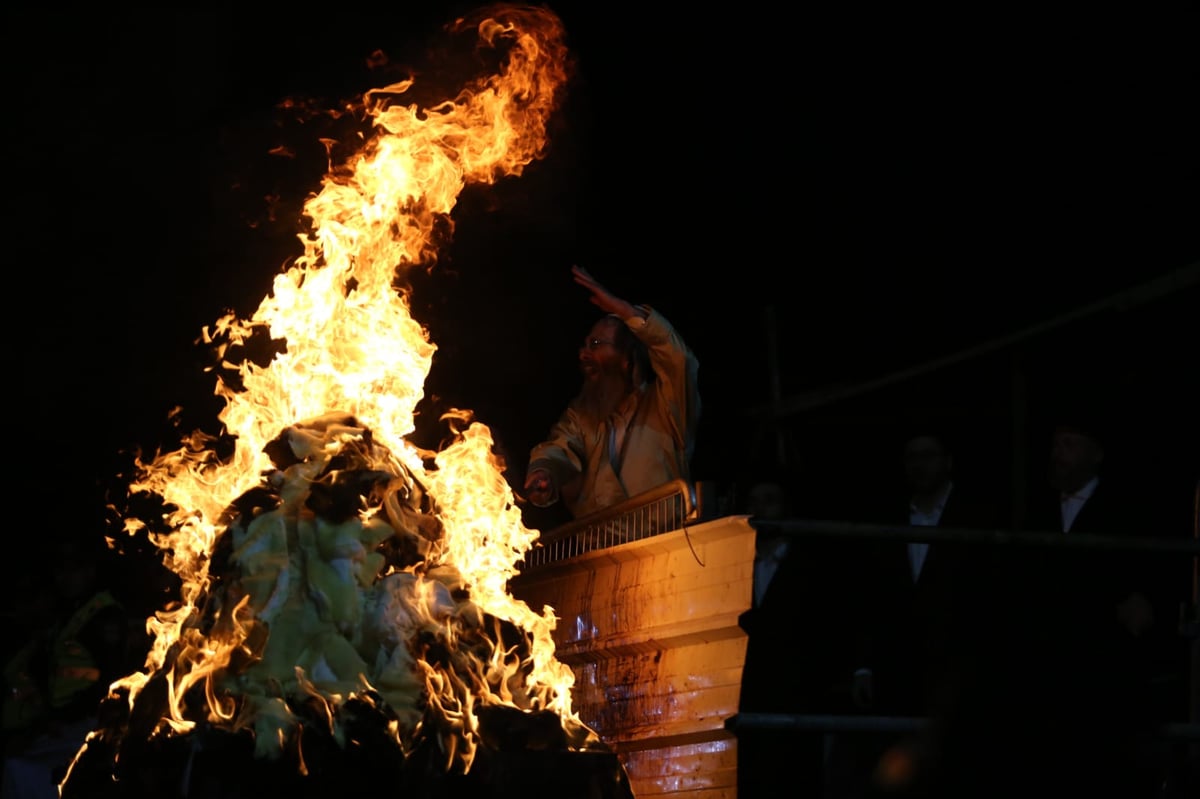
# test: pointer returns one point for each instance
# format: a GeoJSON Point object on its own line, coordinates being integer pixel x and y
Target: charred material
{"type": "Point", "coordinates": [523, 754]}
{"type": "Point", "coordinates": [334, 650]}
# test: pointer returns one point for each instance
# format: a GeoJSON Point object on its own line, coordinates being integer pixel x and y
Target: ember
{"type": "Point", "coordinates": [344, 619]}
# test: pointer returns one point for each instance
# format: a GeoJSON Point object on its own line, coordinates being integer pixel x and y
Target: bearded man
{"type": "Point", "coordinates": [631, 427]}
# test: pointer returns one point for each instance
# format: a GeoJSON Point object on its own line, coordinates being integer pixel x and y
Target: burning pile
{"type": "Point", "coordinates": [344, 615]}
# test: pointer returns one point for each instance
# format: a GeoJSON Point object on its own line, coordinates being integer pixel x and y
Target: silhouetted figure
{"type": "Point", "coordinates": [54, 684]}
{"type": "Point", "coordinates": [794, 651]}
{"type": "Point", "coordinates": [1075, 712]}
{"type": "Point", "coordinates": [920, 639]}
{"type": "Point", "coordinates": [768, 496]}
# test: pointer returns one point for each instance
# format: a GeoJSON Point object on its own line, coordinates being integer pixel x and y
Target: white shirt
{"type": "Point", "coordinates": [1071, 504]}
{"type": "Point", "coordinates": [917, 551]}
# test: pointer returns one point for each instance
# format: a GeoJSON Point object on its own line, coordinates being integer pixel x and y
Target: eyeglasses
{"type": "Point", "coordinates": [592, 344]}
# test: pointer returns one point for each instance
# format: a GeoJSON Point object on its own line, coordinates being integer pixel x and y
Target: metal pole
{"type": "Point", "coordinates": [824, 723]}
{"type": "Point", "coordinates": [1184, 277]}
{"type": "Point", "coordinates": [1191, 627]}
{"type": "Point", "coordinates": [890, 724]}
{"type": "Point", "coordinates": [776, 385]}
{"type": "Point", "coordinates": [1019, 400]}
{"type": "Point", "coordinates": [1053, 539]}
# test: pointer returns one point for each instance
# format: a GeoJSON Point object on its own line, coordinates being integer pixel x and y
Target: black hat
{"type": "Point", "coordinates": [942, 429]}
{"type": "Point", "coordinates": [1084, 417]}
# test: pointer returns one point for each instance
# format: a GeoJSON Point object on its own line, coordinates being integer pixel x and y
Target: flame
{"type": "Point", "coordinates": [351, 374]}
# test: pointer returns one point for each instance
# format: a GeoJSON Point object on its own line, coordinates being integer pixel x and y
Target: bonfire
{"type": "Point", "coordinates": [343, 618]}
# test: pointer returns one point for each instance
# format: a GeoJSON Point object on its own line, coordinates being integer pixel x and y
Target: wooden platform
{"type": "Point", "coordinates": [651, 630]}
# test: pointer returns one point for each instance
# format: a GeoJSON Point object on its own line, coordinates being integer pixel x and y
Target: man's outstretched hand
{"type": "Point", "coordinates": [539, 489]}
{"type": "Point", "coordinates": [601, 297]}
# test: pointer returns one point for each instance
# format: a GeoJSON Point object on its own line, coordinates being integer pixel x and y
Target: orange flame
{"type": "Point", "coordinates": [355, 362]}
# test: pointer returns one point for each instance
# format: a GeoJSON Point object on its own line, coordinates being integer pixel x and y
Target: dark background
{"type": "Point", "coordinates": [814, 199]}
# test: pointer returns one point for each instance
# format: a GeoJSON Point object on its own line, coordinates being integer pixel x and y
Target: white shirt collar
{"type": "Point", "coordinates": [931, 517]}
{"type": "Point", "coordinates": [1084, 493]}
{"type": "Point", "coordinates": [1071, 504]}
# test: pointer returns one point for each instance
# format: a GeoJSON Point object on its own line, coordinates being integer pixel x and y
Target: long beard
{"type": "Point", "coordinates": [601, 395]}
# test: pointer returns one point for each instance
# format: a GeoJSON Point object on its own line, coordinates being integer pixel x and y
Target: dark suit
{"type": "Point", "coordinates": [798, 658]}
{"type": "Point", "coordinates": [1074, 696]}
{"type": "Point", "coordinates": [924, 631]}
{"type": "Point", "coordinates": [923, 641]}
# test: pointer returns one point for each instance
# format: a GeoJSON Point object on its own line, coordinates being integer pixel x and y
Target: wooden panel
{"type": "Point", "coordinates": [650, 629]}
{"type": "Point", "coordinates": [697, 771]}
{"type": "Point", "coordinates": [661, 694]}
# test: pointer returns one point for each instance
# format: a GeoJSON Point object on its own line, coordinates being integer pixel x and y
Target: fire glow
{"type": "Point", "coordinates": [317, 610]}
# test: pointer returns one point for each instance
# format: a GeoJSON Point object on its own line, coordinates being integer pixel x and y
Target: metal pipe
{"type": "Point", "coordinates": [1019, 397]}
{"type": "Point", "coordinates": [1191, 627]}
{"type": "Point", "coordinates": [676, 489]}
{"type": "Point", "coordinates": [1184, 277]}
{"type": "Point", "coordinates": [800, 722]}
{"type": "Point", "coordinates": [824, 723]}
{"type": "Point", "coordinates": [884, 532]}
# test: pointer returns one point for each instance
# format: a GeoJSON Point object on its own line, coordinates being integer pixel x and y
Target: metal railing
{"type": "Point", "coordinates": [851, 530]}
{"type": "Point", "coordinates": [652, 513]}
{"type": "Point", "coordinates": [1189, 623]}
{"type": "Point", "coordinates": [833, 722]}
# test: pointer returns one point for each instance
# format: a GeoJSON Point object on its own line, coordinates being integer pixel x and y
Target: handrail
{"type": "Point", "coordinates": [660, 510]}
{"type": "Point", "coordinates": [581, 524]}
{"type": "Point", "coordinates": [1187, 731]}
{"type": "Point", "coordinates": [899, 532]}
{"type": "Point", "coordinates": [1189, 626]}
{"type": "Point", "coordinates": [830, 722]}
{"type": "Point", "coordinates": [1179, 279]}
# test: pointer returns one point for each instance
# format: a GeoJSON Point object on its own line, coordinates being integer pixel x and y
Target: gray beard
{"type": "Point", "coordinates": [598, 399]}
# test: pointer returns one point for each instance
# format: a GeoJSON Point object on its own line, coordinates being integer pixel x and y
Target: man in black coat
{"type": "Point", "coordinates": [1075, 696]}
{"type": "Point", "coordinates": [920, 641]}
{"type": "Point", "coordinates": [927, 595]}
{"type": "Point", "coordinates": [795, 651]}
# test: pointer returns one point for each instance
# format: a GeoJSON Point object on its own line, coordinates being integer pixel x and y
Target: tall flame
{"type": "Point", "coordinates": [356, 361]}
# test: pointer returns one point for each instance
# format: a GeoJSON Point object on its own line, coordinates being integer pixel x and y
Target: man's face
{"type": "Point", "coordinates": [1074, 459]}
{"type": "Point", "coordinates": [597, 355]}
{"type": "Point", "coordinates": [926, 463]}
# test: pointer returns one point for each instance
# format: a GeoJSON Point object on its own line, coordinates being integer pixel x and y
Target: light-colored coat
{"type": "Point", "coordinates": [647, 442]}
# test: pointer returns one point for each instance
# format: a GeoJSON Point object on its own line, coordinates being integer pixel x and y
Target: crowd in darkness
{"type": "Point", "coordinates": [1039, 668]}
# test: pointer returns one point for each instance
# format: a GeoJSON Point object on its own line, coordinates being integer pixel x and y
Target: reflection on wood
{"type": "Point", "coordinates": [650, 629]}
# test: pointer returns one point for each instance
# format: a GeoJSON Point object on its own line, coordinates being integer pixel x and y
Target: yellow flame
{"type": "Point", "coordinates": [353, 348]}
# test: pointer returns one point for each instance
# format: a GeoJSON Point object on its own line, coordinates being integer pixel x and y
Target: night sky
{"type": "Point", "coordinates": [888, 188]}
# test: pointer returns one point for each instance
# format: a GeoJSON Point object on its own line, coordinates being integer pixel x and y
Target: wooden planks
{"type": "Point", "coordinates": [650, 630]}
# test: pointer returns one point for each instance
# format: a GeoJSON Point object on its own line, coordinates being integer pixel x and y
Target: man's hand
{"type": "Point", "coordinates": [602, 298]}
{"type": "Point", "coordinates": [539, 488]}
